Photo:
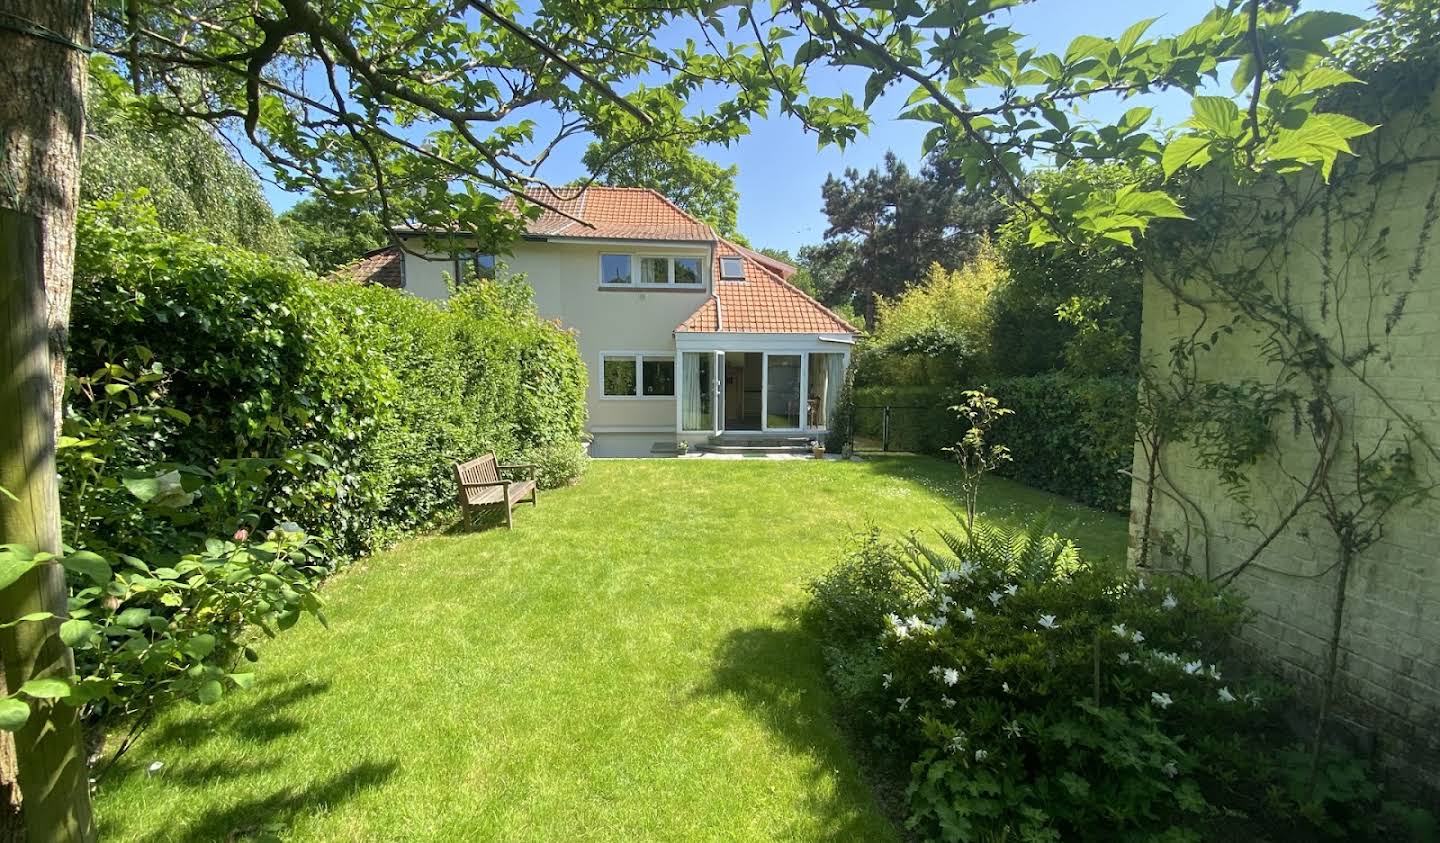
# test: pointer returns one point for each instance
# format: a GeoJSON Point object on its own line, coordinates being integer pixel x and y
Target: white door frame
{"type": "Point", "coordinates": [765, 390]}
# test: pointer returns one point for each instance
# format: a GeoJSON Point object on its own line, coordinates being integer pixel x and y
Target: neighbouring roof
{"type": "Point", "coordinates": [613, 213]}
{"type": "Point", "coordinates": [763, 303]}
{"type": "Point", "coordinates": [384, 266]}
{"type": "Point", "coordinates": [783, 269]}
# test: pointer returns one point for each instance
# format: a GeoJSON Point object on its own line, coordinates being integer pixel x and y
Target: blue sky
{"type": "Point", "coordinates": [781, 168]}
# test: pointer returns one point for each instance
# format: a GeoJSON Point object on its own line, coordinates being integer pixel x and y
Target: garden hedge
{"type": "Point", "coordinates": [1070, 435]}
{"type": "Point", "coordinates": [380, 390]}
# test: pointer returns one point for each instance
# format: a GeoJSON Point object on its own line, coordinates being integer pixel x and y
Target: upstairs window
{"type": "Point", "coordinates": [615, 269]}
{"type": "Point", "coordinates": [732, 268]}
{"type": "Point", "coordinates": [651, 270]}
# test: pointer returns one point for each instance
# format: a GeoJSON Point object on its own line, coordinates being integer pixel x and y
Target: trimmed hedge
{"type": "Point", "coordinates": [382, 391]}
{"type": "Point", "coordinates": [1069, 435]}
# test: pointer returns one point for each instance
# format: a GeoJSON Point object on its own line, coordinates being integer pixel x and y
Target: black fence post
{"type": "Point", "coordinates": [885, 429]}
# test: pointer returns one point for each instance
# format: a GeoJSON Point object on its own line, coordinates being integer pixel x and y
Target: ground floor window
{"type": "Point", "coordinates": [625, 375]}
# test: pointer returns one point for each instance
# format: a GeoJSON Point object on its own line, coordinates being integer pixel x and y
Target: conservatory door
{"type": "Point", "coordinates": [702, 391]}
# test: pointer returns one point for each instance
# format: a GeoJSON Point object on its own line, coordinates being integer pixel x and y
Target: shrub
{"type": "Point", "coordinates": [1069, 435]}
{"type": "Point", "coordinates": [1035, 696]}
{"type": "Point", "coordinates": [558, 463]}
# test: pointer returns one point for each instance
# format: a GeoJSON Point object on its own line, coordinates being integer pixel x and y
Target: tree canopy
{"type": "Point", "coordinates": [435, 107]}
{"type": "Point", "coordinates": [888, 227]}
{"type": "Point", "coordinates": [195, 183]}
{"type": "Point", "coordinates": [698, 185]}
{"type": "Point", "coordinates": [327, 234]}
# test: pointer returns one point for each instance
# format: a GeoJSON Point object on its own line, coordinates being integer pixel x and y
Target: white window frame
{"type": "Point", "coordinates": [739, 260]}
{"type": "Point", "coordinates": [635, 271]}
{"type": "Point", "coordinates": [638, 357]}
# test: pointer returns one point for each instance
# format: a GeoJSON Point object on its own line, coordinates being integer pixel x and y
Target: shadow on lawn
{"type": "Point", "coordinates": [776, 674]}
{"type": "Point", "coordinates": [258, 718]}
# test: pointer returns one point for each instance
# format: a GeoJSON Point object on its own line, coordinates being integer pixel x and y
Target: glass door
{"type": "Point", "coordinates": [697, 399]}
{"type": "Point", "coordinates": [782, 391]}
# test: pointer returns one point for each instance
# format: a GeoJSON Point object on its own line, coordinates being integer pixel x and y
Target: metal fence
{"type": "Point", "coordinates": [898, 427]}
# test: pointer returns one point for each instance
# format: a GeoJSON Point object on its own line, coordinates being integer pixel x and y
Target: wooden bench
{"type": "Point", "coordinates": [481, 487]}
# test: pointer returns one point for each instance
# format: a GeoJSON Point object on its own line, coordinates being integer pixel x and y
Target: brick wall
{"type": "Point", "coordinates": [1345, 286]}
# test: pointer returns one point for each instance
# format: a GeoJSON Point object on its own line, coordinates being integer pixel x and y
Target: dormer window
{"type": "Point", "coordinates": [732, 268]}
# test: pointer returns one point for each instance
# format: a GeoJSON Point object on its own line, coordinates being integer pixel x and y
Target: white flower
{"type": "Point", "coordinates": [1120, 630]}
{"type": "Point", "coordinates": [1138, 637]}
{"type": "Point", "coordinates": [1124, 658]}
{"type": "Point", "coordinates": [969, 614]}
{"type": "Point", "coordinates": [1048, 621]}
{"type": "Point", "coordinates": [1013, 728]}
{"type": "Point", "coordinates": [897, 626]}
{"type": "Point", "coordinates": [1169, 769]}
{"type": "Point", "coordinates": [155, 767]}
{"type": "Point", "coordinates": [902, 702]}
{"type": "Point", "coordinates": [1215, 673]}
{"type": "Point", "coordinates": [1193, 668]}
{"type": "Point", "coordinates": [957, 743]}
{"type": "Point", "coordinates": [1169, 602]}
{"type": "Point", "coordinates": [1011, 589]}
{"type": "Point", "coordinates": [995, 598]}
{"type": "Point", "coordinates": [887, 677]}
{"type": "Point", "coordinates": [1141, 586]}
{"type": "Point", "coordinates": [951, 676]}
{"type": "Point", "coordinates": [1162, 700]}
{"type": "Point", "coordinates": [937, 622]}
{"type": "Point", "coordinates": [981, 755]}
{"type": "Point", "coordinates": [1005, 686]}
{"type": "Point", "coordinates": [947, 702]}
{"type": "Point", "coordinates": [1225, 695]}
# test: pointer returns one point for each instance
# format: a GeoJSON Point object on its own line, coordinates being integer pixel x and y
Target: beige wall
{"type": "Point", "coordinates": [566, 280]}
{"type": "Point", "coordinates": [1335, 275]}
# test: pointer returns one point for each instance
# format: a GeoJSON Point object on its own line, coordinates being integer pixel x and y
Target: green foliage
{"type": "Point", "coordinates": [1070, 435]}
{"type": "Point", "coordinates": [699, 186]}
{"type": "Point", "coordinates": [1063, 304]}
{"type": "Point", "coordinates": [195, 184]}
{"type": "Point", "coordinates": [1036, 696]}
{"type": "Point", "coordinates": [888, 227]}
{"type": "Point", "coordinates": [380, 392]}
{"type": "Point", "coordinates": [328, 235]}
{"type": "Point", "coordinates": [976, 450]}
{"type": "Point", "coordinates": [558, 463]}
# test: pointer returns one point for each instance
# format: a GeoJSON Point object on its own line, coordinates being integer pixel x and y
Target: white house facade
{"type": "Point", "coordinates": [684, 334]}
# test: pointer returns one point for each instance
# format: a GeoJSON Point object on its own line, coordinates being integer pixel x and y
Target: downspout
{"type": "Point", "coordinates": [719, 314]}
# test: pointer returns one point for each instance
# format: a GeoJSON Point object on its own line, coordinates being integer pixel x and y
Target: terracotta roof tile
{"type": "Point", "coordinates": [762, 303]}
{"type": "Point", "coordinates": [619, 213]}
{"type": "Point", "coordinates": [382, 266]}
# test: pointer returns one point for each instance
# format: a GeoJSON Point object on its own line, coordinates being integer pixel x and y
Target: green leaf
{"type": "Point", "coordinates": [46, 689]}
{"type": "Point", "coordinates": [200, 646]}
{"type": "Point", "coordinates": [30, 618]}
{"type": "Point", "coordinates": [13, 714]}
{"type": "Point", "coordinates": [133, 618]}
{"type": "Point", "coordinates": [245, 681]}
{"type": "Point", "coordinates": [1187, 151]}
{"type": "Point", "coordinates": [1319, 26]}
{"type": "Point", "coordinates": [1132, 34]}
{"type": "Point", "coordinates": [75, 632]}
{"type": "Point", "coordinates": [14, 566]}
{"type": "Point", "coordinates": [1218, 114]}
{"type": "Point", "coordinates": [210, 692]}
{"type": "Point", "coordinates": [88, 564]}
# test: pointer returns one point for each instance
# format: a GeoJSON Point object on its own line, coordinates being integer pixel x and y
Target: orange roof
{"type": "Point", "coordinates": [612, 213]}
{"type": "Point", "coordinates": [384, 266]}
{"type": "Point", "coordinates": [763, 303]}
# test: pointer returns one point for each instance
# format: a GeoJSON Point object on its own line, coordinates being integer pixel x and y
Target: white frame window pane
{"type": "Point", "coordinates": [657, 377]}
{"type": "Point", "coordinates": [654, 270]}
{"type": "Point", "coordinates": [615, 269]}
{"type": "Point", "coordinates": [687, 270]}
{"type": "Point", "coordinates": [732, 267]}
{"type": "Point", "coordinates": [619, 374]}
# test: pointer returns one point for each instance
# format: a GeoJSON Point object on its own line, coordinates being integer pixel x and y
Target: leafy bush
{"type": "Point", "coordinates": [1069, 435]}
{"type": "Point", "coordinates": [558, 463]}
{"type": "Point", "coordinates": [1035, 696]}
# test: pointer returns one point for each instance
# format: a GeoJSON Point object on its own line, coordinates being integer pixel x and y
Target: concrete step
{"type": "Point", "coordinates": [731, 440]}
{"type": "Point", "coordinates": [745, 450]}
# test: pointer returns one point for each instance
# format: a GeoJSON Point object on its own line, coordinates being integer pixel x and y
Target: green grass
{"type": "Point", "coordinates": [624, 665]}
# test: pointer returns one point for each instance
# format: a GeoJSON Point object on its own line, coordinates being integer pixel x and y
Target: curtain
{"type": "Point", "coordinates": [834, 378]}
{"type": "Point", "coordinates": [691, 403]}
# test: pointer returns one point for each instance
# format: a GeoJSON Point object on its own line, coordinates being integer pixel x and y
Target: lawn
{"type": "Point", "coordinates": [624, 665]}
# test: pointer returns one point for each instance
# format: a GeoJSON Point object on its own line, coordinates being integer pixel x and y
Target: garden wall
{"type": "Point", "coordinates": [1361, 268]}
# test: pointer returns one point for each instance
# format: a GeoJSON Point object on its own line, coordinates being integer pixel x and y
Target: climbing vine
{"type": "Point", "coordinates": [1288, 295]}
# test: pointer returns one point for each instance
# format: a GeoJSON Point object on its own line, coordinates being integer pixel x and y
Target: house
{"type": "Point", "coordinates": [685, 335]}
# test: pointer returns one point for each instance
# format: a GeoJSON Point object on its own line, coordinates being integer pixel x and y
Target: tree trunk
{"type": "Point", "coordinates": [42, 119]}
{"type": "Point", "coordinates": [42, 124]}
